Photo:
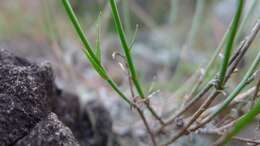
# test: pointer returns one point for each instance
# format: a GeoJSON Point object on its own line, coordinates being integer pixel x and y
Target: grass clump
{"type": "Point", "coordinates": [213, 88]}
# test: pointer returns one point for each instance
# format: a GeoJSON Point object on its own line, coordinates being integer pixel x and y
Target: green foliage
{"type": "Point", "coordinates": [94, 57]}
{"type": "Point", "coordinates": [88, 51]}
{"type": "Point", "coordinates": [124, 44]}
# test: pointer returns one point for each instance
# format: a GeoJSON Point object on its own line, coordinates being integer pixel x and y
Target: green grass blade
{"type": "Point", "coordinates": [250, 12]}
{"type": "Point", "coordinates": [133, 38]}
{"type": "Point", "coordinates": [89, 53]}
{"type": "Point", "coordinates": [230, 42]}
{"type": "Point", "coordinates": [126, 18]}
{"type": "Point", "coordinates": [123, 40]}
{"type": "Point", "coordinates": [242, 123]}
{"type": "Point", "coordinates": [78, 28]}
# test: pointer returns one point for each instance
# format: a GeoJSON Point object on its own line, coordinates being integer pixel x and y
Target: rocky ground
{"type": "Point", "coordinates": [34, 111]}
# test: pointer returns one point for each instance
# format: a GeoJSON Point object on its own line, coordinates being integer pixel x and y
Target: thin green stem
{"type": "Point", "coordinates": [78, 28]}
{"type": "Point", "coordinates": [229, 46]}
{"type": "Point", "coordinates": [246, 18]}
{"type": "Point", "coordinates": [128, 55]}
{"type": "Point", "coordinates": [90, 54]}
{"type": "Point", "coordinates": [126, 18]}
{"type": "Point", "coordinates": [211, 62]}
{"type": "Point", "coordinates": [191, 38]}
{"type": "Point", "coordinates": [121, 94]}
{"type": "Point", "coordinates": [245, 120]}
{"type": "Point", "coordinates": [241, 86]}
{"type": "Point", "coordinates": [121, 33]}
{"type": "Point", "coordinates": [247, 79]}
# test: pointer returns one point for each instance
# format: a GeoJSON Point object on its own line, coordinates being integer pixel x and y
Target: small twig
{"type": "Point", "coordinates": [104, 20]}
{"type": "Point", "coordinates": [213, 59]}
{"type": "Point", "coordinates": [140, 112]}
{"type": "Point", "coordinates": [227, 126]}
{"type": "Point", "coordinates": [130, 79]}
{"type": "Point", "coordinates": [248, 78]}
{"type": "Point", "coordinates": [242, 49]}
{"type": "Point", "coordinates": [199, 75]}
{"type": "Point", "coordinates": [147, 126]}
{"type": "Point", "coordinates": [186, 107]}
{"type": "Point", "coordinates": [244, 140]}
{"type": "Point", "coordinates": [194, 117]}
{"type": "Point", "coordinates": [257, 87]}
{"type": "Point", "coordinates": [143, 16]}
{"type": "Point", "coordinates": [242, 97]}
{"type": "Point", "coordinates": [129, 58]}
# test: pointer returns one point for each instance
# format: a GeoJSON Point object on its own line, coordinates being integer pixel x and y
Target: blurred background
{"type": "Point", "coordinates": [172, 40]}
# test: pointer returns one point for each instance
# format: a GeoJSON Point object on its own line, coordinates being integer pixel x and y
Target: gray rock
{"type": "Point", "coordinates": [27, 96]}
{"type": "Point", "coordinates": [91, 125]}
{"type": "Point", "coordinates": [95, 125]}
{"type": "Point", "coordinates": [25, 90]}
{"type": "Point", "coordinates": [49, 132]}
{"type": "Point", "coordinates": [67, 107]}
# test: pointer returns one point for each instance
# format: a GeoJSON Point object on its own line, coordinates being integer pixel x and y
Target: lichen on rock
{"type": "Point", "coordinates": [25, 90]}
{"type": "Point", "coordinates": [49, 132]}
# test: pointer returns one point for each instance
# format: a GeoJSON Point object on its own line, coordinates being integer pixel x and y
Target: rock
{"type": "Point", "coordinates": [95, 125]}
{"type": "Point", "coordinates": [49, 132]}
{"type": "Point", "coordinates": [67, 107]}
{"type": "Point", "coordinates": [25, 90]}
{"type": "Point", "coordinates": [91, 125]}
{"type": "Point", "coordinates": [27, 97]}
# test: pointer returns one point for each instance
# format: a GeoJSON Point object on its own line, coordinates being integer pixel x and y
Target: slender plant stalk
{"type": "Point", "coordinates": [211, 62]}
{"type": "Point", "coordinates": [247, 141]}
{"type": "Point", "coordinates": [94, 61]}
{"type": "Point", "coordinates": [242, 50]}
{"type": "Point", "coordinates": [238, 89]}
{"type": "Point", "coordinates": [230, 41]}
{"type": "Point", "coordinates": [229, 46]}
{"type": "Point", "coordinates": [124, 44]}
{"type": "Point", "coordinates": [221, 44]}
{"type": "Point", "coordinates": [78, 29]}
{"type": "Point", "coordinates": [220, 84]}
{"type": "Point", "coordinates": [257, 88]}
{"type": "Point", "coordinates": [128, 55]}
{"type": "Point", "coordinates": [196, 22]}
{"type": "Point", "coordinates": [246, 18]}
{"type": "Point", "coordinates": [231, 97]}
{"type": "Point", "coordinates": [190, 103]}
{"type": "Point", "coordinates": [143, 16]}
{"type": "Point", "coordinates": [126, 18]}
{"type": "Point", "coordinates": [245, 120]}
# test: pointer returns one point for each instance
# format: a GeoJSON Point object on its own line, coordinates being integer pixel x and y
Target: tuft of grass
{"type": "Point", "coordinates": [94, 57]}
